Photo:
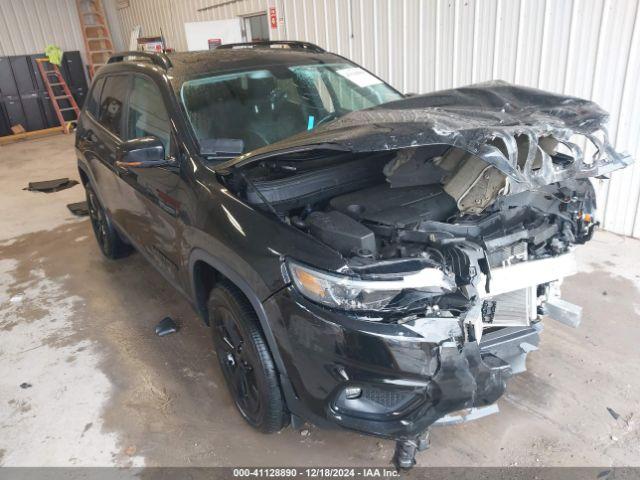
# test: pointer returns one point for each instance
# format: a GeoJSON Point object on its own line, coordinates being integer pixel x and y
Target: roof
{"type": "Point", "coordinates": [193, 64]}
{"type": "Point", "coordinates": [182, 66]}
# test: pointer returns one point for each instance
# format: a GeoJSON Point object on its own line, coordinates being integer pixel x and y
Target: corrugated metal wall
{"type": "Point", "coordinates": [28, 26]}
{"type": "Point", "coordinates": [169, 16]}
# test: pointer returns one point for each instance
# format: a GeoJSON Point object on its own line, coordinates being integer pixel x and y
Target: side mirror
{"type": "Point", "coordinates": [143, 152]}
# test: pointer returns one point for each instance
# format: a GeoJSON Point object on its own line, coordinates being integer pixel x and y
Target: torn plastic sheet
{"type": "Point", "coordinates": [534, 137]}
{"type": "Point", "coordinates": [79, 209]}
{"type": "Point", "coordinates": [51, 186]}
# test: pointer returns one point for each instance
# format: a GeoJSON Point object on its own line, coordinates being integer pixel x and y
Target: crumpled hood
{"type": "Point", "coordinates": [510, 127]}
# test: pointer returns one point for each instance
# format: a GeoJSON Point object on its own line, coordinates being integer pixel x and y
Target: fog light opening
{"type": "Point", "coordinates": [352, 393]}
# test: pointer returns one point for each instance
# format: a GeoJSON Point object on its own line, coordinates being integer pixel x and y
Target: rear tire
{"type": "Point", "coordinates": [109, 240]}
{"type": "Point", "coordinates": [245, 360]}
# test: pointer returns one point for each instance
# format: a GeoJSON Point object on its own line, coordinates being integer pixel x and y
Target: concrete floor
{"type": "Point", "coordinates": [104, 390]}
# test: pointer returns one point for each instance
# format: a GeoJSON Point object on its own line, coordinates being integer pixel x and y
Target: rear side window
{"type": "Point", "coordinates": [148, 115]}
{"type": "Point", "coordinates": [112, 102]}
{"type": "Point", "coordinates": [93, 104]}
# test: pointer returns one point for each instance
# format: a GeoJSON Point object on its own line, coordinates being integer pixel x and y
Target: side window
{"type": "Point", "coordinates": [93, 104]}
{"type": "Point", "coordinates": [111, 103]}
{"type": "Point", "coordinates": [148, 115]}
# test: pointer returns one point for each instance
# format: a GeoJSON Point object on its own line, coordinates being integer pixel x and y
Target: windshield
{"type": "Point", "coordinates": [241, 111]}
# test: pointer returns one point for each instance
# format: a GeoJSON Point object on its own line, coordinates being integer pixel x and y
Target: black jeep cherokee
{"type": "Point", "coordinates": [363, 259]}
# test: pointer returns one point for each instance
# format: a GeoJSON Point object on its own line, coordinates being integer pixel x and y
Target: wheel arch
{"type": "Point", "coordinates": [84, 177]}
{"type": "Point", "coordinates": [205, 270]}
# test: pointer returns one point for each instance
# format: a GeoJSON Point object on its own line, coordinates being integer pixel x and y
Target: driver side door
{"type": "Point", "coordinates": [151, 194]}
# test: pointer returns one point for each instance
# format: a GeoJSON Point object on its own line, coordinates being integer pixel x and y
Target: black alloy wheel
{"type": "Point", "coordinates": [108, 239]}
{"type": "Point", "coordinates": [245, 360]}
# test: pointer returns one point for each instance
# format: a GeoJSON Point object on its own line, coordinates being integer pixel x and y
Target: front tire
{"type": "Point", "coordinates": [245, 360]}
{"type": "Point", "coordinates": [108, 239]}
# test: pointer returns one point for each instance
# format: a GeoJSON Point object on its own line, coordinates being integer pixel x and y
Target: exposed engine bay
{"type": "Point", "coordinates": [460, 222]}
{"type": "Point", "coordinates": [470, 182]}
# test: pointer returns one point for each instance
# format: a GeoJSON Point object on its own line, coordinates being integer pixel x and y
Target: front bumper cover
{"type": "Point", "coordinates": [410, 374]}
{"type": "Point", "coordinates": [465, 379]}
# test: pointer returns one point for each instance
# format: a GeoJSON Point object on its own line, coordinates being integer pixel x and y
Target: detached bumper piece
{"type": "Point", "coordinates": [467, 378]}
{"type": "Point", "coordinates": [563, 311]}
{"type": "Point", "coordinates": [501, 354]}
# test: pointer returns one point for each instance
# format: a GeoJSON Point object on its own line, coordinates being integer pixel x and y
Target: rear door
{"type": "Point", "coordinates": [99, 136]}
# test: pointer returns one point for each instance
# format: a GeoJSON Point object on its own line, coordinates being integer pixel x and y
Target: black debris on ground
{"type": "Point", "coordinates": [86, 428]}
{"type": "Point", "coordinates": [166, 326]}
{"type": "Point", "coordinates": [25, 385]}
{"type": "Point", "coordinates": [50, 186]}
{"type": "Point", "coordinates": [613, 413]}
{"type": "Point", "coordinates": [80, 209]}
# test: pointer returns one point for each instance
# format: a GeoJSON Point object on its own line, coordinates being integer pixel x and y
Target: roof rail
{"type": "Point", "coordinates": [277, 43]}
{"type": "Point", "coordinates": [157, 58]}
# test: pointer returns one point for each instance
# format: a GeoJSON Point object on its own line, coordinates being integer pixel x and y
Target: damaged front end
{"type": "Point", "coordinates": [456, 215]}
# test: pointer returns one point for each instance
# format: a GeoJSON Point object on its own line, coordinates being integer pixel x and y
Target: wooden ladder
{"type": "Point", "coordinates": [58, 97]}
{"type": "Point", "coordinates": [97, 37]}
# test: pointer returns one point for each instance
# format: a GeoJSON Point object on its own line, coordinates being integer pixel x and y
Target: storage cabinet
{"type": "Point", "coordinates": [4, 125]}
{"type": "Point", "coordinates": [23, 96]}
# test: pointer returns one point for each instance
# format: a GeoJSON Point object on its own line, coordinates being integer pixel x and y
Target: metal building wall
{"type": "Point", "coordinates": [589, 48]}
{"type": "Point", "coordinates": [28, 26]}
{"type": "Point", "coordinates": [169, 16]}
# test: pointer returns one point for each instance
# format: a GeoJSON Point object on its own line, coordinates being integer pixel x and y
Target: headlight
{"type": "Point", "coordinates": [350, 293]}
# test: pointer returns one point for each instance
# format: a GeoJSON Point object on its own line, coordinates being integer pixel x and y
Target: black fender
{"type": "Point", "coordinates": [293, 403]}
